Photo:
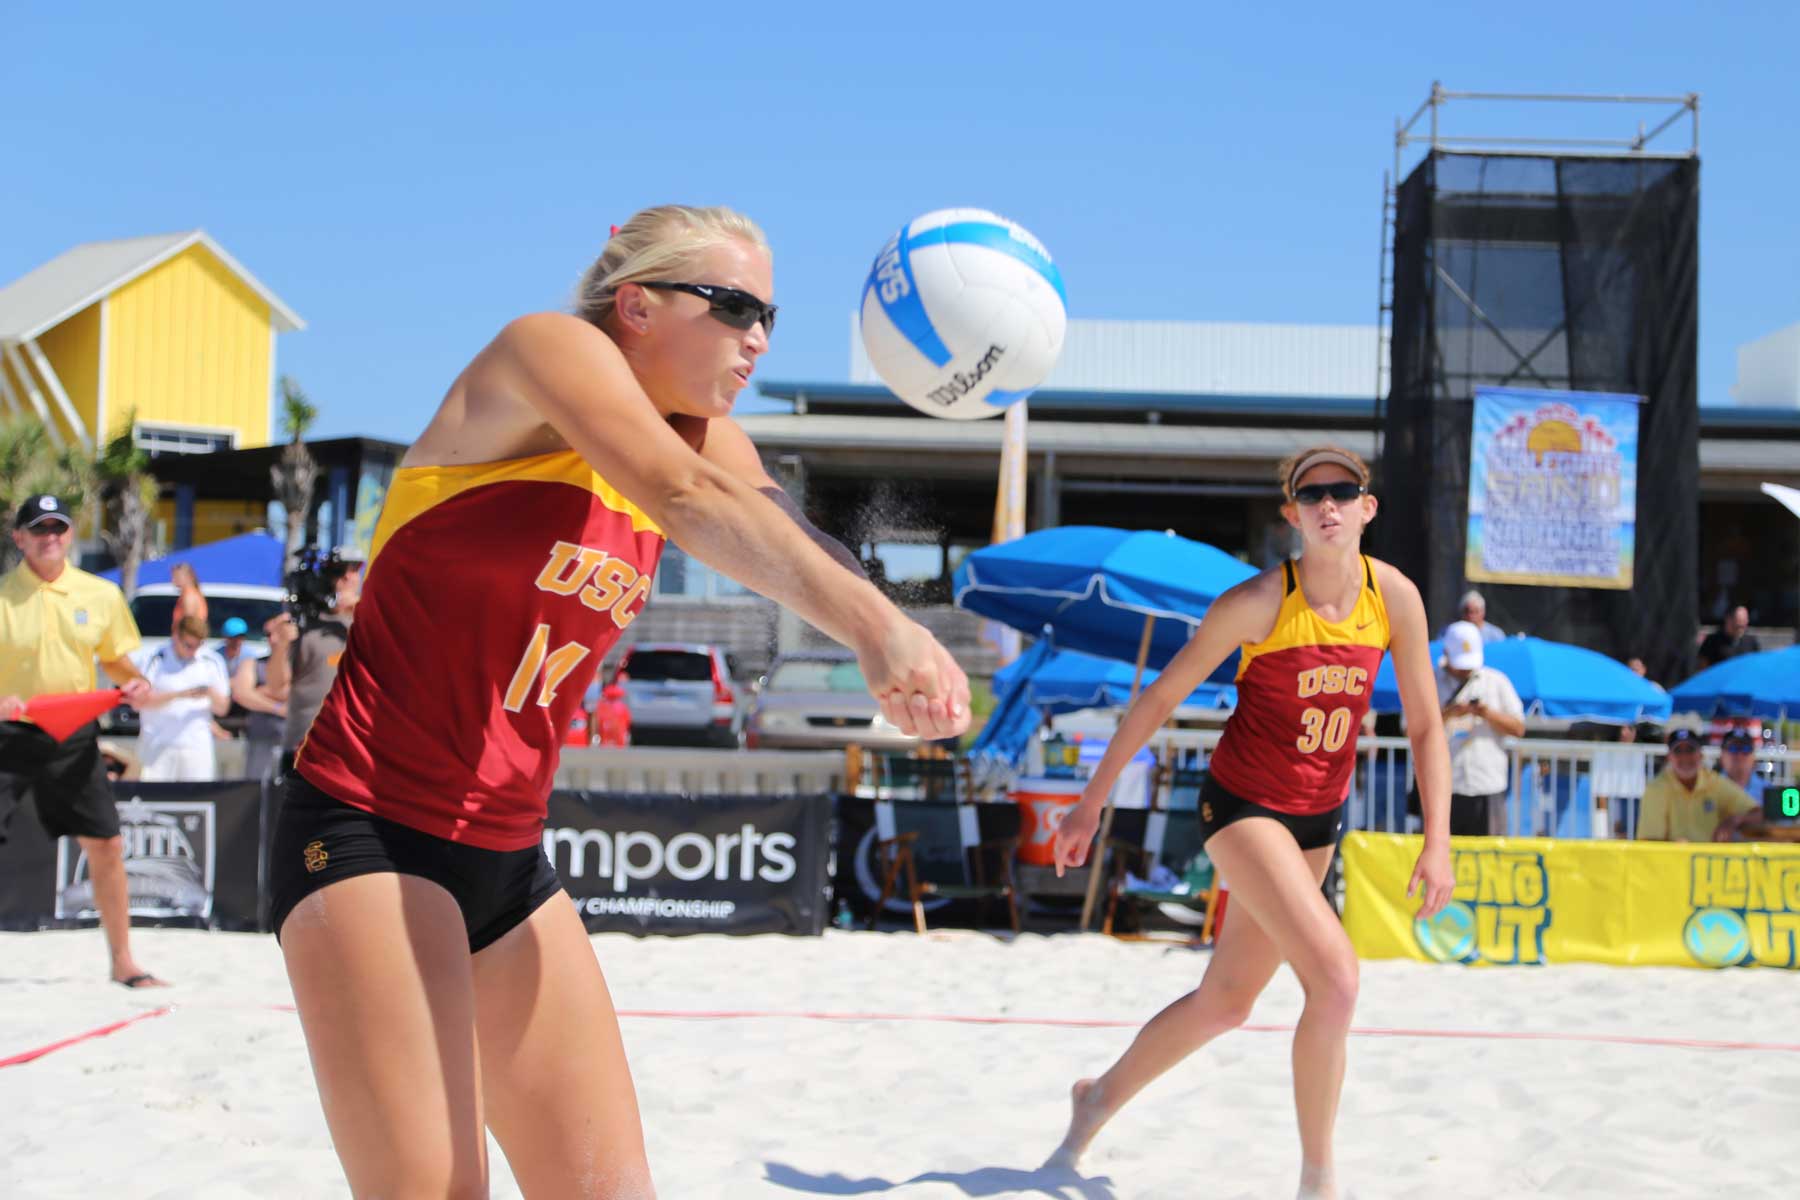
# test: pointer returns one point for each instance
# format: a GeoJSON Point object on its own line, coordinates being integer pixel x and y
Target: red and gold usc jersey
{"type": "Point", "coordinates": [492, 593]}
{"type": "Point", "coordinates": [1290, 744]}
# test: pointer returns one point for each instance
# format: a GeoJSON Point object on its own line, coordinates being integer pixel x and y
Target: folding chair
{"type": "Point", "coordinates": [1170, 838]}
{"type": "Point", "coordinates": [937, 843]}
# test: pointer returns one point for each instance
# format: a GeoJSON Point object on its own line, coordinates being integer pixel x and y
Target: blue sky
{"type": "Point", "coordinates": [409, 181]}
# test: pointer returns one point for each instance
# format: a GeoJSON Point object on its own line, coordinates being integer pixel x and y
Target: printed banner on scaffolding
{"type": "Point", "coordinates": [1552, 488]}
{"type": "Point", "coordinates": [1535, 901]}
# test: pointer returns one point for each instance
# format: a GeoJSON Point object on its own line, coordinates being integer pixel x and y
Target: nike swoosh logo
{"type": "Point", "coordinates": [1364, 626]}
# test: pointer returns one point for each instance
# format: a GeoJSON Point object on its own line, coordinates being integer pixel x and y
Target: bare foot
{"type": "Point", "coordinates": [1317, 1183]}
{"type": "Point", "coordinates": [1086, 1116]}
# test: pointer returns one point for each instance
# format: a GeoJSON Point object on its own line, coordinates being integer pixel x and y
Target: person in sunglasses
{"type": "Point", "coordinates": [445, 984]}
{"type": "Point", "coordinates": [1312, 632]}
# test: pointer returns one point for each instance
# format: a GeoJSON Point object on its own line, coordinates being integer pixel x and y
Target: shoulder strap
{"type": "Point", "coordinates": [1287, 567]}
{"type": "Point", "coordinates": [1368, 573]}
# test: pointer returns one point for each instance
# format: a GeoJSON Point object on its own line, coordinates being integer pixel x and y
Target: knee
{"type": "Point", "coordinates": [1222, 1006]}
{"type": "Point", "coordinates": [1331, 986]}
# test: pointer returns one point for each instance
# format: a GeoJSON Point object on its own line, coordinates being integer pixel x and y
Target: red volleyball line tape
{"type": "Point", "coordinates": [26, 1056]}
{"type": "Point", "coordinates": [1110, 1023]}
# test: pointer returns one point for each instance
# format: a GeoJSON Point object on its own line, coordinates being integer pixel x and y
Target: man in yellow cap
{"type": "Point", "coordinates": [55, 620]}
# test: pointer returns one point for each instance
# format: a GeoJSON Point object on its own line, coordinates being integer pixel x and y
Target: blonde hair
{"type": "Point", "coordinates": [656, 244]}
{"type": "Point", "coordinates": [194, 627]}
{"type": "Point", "coordinates": [1348, 459]}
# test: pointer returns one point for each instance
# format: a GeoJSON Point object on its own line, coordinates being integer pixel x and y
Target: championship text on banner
{"type": "Point", "coordinates": [699, 864]}
{"type": "Point", "coordinates": [1552, 488]}
{"type": "Point", "coordinates": [1540, 900]}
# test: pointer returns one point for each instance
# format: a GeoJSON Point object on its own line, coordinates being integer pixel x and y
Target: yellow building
{"type": "Point", "coordinates": [170, 328]}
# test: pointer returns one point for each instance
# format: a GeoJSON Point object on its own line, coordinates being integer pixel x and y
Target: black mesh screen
{"type": "Point", "coordinates": [1566, 273]}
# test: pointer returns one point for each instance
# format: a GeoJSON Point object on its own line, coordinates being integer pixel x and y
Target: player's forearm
{"type": "Point", "coordinates": [824, 541]}
{"type": "Point", "coordinates": [1431, 767]}
{"type": "Point", "coordinates": [735, 530]}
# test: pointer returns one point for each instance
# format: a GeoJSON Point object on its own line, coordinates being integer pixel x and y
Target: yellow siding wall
{"type": "Point", "coordinates": [190, 346]}
{"type": "Point", "coordinates": [214, 520]}
{"type": "Point", "coordinates": [73, 349]}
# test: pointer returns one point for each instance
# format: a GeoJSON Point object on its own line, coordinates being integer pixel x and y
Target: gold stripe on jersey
{"type": "Point", "coordinates": [1298, 625]}
{"type": "Point", "coordinates": [416, 490]}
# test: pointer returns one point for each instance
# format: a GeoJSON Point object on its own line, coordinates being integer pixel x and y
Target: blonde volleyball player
{"type": "Point", "coordinates": [444, 985]}
{"type": "Point", "coordinates": [1312, 632]}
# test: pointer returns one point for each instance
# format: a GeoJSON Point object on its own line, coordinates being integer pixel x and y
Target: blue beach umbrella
{"type": "Point", "coordinates": [1751, 685]}
{"type": "Point", "coordinates": [248, 558]}
{"type": "Point", "coordinates": [1555, 680]}
{"type": "Point", "coordinates": [1069, 681]}
{"type": "Point", "coordinates": [1010, 726]}
{"type": "Point", "coordinates": [1098, 590]}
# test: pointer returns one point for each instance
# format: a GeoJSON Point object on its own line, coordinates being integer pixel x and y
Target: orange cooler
{"type": "Point", "coordinates": [1042, 805]}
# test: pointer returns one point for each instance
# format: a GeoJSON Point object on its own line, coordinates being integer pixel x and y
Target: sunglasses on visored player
{"type": "Point", "coordinates": [1342, 492]}
{"type": "Point", "coordinates": [727, 305]}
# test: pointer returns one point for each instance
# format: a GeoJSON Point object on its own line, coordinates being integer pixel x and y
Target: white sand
{"type": "Point", "coordinates": [216, 1100]}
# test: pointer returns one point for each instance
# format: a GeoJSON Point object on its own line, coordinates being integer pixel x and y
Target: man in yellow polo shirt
{"type": "Point", "coordinates": [1690, 802]}
{"type": "Point", "coordinates": [55, 620]}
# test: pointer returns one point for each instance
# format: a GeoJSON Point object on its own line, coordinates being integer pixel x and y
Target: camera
{"type": "Point", "coordinates": [312, 585]}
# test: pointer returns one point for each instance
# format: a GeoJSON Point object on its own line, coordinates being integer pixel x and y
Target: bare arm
{"type": "Point", "coordinates": [220, 696]}
{"type": "Point", "coordinates": [577, 380]}
{"type": "Point", "coordinates": [731, 448]}
{"type": "Point", "coordinates": [282, 636]}
{"type": "Point", "coordinates": [246, 693]}
{"type": "Point", "coordinates": [1243, 614]}
{"type": "Point", "coordinates": [131, 681]}
{"type": "Point", "coordinates": [1409, 643]}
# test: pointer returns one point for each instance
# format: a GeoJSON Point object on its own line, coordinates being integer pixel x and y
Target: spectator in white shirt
{"type": "Point", "coordinates": [1481, 708]}
{"type": "Point", "coordinates": [188, 688]}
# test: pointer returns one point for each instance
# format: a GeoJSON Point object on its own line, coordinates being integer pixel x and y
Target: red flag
{"type": "Point", "coordinates": [60, 715]}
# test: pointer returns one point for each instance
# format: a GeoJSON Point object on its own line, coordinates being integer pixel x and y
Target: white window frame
{"type": "Point", "coordinates": [145, 435]}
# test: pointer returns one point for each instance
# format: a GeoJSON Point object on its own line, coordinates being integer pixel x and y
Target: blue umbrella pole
{"type": "Point", "coordinates": [1098, 860]}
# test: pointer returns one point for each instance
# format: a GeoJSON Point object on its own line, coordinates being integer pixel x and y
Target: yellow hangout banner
{"type": "Point", "coordinates": [1541, 900]}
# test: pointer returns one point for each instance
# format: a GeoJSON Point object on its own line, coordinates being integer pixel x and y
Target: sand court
{"type": "Point", "coordinates": [864, 1064]}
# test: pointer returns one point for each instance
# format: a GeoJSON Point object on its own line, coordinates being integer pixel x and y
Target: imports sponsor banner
{"type": "Point", "coordinates": [692, 864]}
{"type": "Point", "coordinates": [1541, 900]}
{"type": "Point", "coordinates": [1552, 488]}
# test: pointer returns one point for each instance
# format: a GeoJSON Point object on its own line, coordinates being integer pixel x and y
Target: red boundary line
{"type": "Point", "coordinates": [1109, 1023]}
{"type": "Point", "coordinates": [26, 1056]}
{"type": "Point", "coordinates": [669, 1014]}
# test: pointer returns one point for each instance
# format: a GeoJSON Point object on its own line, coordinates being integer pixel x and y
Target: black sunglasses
{"type": "Point", "coordinates": [1342, 492]}
{"type": "Point", "coordinates": [729, 306]}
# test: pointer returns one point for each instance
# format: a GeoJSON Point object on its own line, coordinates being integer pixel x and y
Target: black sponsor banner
{"type": "Point", "coordinates": [191, 853]}
{"type": "Point", "coordinates": [692, 864]}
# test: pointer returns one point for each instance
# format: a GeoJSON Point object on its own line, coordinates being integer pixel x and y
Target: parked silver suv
{"type": "Point", "coordinates": [818, 700]}
{"type": "Point", "coordinates": [680, 693]}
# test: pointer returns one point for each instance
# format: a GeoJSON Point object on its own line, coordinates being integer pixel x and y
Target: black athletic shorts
{"type": "Point", "coordinates": [1219, 808]}
{"type": "Point", "coordinates": [66, 778]}
{"type": "Point", "coordinates": [320, 840]}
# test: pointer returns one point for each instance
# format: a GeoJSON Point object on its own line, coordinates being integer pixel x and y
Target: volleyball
{"type": "Point", "coordinates": [963, 313]}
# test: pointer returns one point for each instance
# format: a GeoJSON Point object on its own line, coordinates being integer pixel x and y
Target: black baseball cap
{"type": "Point", "coordinates": [1684, 737]}
{"type": "Point", "coordinates": [1738, 739]}
{"type": "Point", "coordinates": [40, 508]}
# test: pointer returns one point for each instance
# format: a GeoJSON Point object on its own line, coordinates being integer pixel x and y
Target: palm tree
{"type": "Point", "coordinates": [28, 465]}
{"type": "Point", "coordinates": [122, 469]}
{"type": "Point", "coordinates": [295, 474]}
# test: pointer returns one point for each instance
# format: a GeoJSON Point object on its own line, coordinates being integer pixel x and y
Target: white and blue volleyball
{"type": "Point", "coordinates": [963, 313]}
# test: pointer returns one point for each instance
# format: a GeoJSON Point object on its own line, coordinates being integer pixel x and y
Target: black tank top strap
{"type": "Point", "coordinates": [1368, 573]}
{"type": "Point", "coordinates": [1287, 567]}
